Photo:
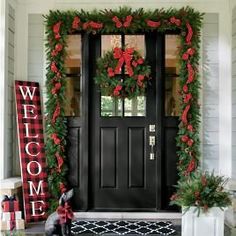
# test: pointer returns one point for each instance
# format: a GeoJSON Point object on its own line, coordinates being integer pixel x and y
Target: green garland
{"type": "Point", "coordinates": [203, 191]}
{"type": "Point", "coordinates": [124, 20]}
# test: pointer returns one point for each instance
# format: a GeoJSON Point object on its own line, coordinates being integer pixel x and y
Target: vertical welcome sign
{"type": "Point", "coordinates": [31, 150]}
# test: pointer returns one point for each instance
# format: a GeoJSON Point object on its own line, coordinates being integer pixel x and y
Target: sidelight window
{"type": "Point", "coordinates": [112, 107]}
{"type": "Point", "coordinates": [172, 80]}
{"type": "Point", "coordinates": [73, 66]}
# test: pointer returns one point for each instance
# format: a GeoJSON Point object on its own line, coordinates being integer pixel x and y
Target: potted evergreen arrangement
{"type": "Point", "coordinates": [203, 199]}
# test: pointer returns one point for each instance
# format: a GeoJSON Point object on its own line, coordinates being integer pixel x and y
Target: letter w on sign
{"type": "Point", "coordinates": [31, 149]}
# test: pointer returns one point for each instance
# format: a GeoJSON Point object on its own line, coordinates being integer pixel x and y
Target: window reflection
{"type": "Point", "coordinates": [135, 106]}
{"type": "Point", "coordinates": [137, 42]}
{"type": "Point", "coordinates": [73, 75]}
{"type": "Point", "coordinates": [109, 42]}
{"type": "Point", "coordinates": [172, 80]}
{"type": "Point", "coordinates": [111, 106]}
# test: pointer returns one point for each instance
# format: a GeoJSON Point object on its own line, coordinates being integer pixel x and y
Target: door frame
{"type": "Point", "coordinates": [82, 189]}
{"type": "Point", "coordinates": [158, 71]}
{"type": "Point", "coordinates": [154, 39]}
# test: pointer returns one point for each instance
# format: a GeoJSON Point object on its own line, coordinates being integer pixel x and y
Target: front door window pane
{"type": "Point", "coordinates": [137, 42]}
{"type": "Point", "coordinates": [172, 80]}
{"type": "Point", "coordinates": [111, 106]}
{"type": "Point", "coordinates": [109, 42]}
{"type": "Point", "coordinates": [135, 106]}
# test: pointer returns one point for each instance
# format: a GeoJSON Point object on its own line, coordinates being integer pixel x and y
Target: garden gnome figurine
{"type": "Point", "coordinates": [59, 222]}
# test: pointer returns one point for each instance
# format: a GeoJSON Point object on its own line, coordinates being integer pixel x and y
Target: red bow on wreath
{"type": "Point", "coordinates": [124, 57]}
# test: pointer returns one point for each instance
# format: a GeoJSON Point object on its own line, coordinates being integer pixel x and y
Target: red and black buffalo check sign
{"type": "Point", "coordinates": [31, 150]}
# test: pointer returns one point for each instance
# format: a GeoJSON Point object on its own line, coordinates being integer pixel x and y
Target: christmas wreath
{"type": "Point", "coordinates": [109, 73]}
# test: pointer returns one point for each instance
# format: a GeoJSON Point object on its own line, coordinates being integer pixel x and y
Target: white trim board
{"type": "Point", "coordinates": [3, 86]}
{"type": "Point", "coordinates": [128, 215]}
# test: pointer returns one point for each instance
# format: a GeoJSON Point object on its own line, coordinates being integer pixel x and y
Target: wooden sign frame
{"type": "Point", "coordinates": [31, 150]}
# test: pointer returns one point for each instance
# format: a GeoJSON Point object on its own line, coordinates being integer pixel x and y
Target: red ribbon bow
{"type": "Point", "coordinates": [92, 24]}
{"type": "Point", "coordinates": [55, 138]}
{"type": "Point", "coordinates": [60, 162]}
{"type": "Point", "coordinates": [191, 73]}
{"type": "Point", "coordinates": [153, 24]}
{"type": "Point", "coordinates": [124, 57]}
{"type": "Point", "coordinates": [175, 21]}
{"type": "Point", "coordinates": [12, 220]}
{"type": "Point", "coordinates": [126, 23]}
{"type": "Point", "coordinates": [189, 34]}
{"type": "Point", "coordinates": [56, 30]}
{"type": "Point", "coordinates": [185, 114]}
{"type": "Point", "coordinates": [192, 166]}
{"type": "Point", "coordinates": [76, 22]}
{"type": "Point", "coordinates": [65, 213]}
{"type": "Point", "coordinates": [56, 113]}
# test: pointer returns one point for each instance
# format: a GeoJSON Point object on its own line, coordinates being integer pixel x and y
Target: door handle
{"type": "Point", "coordinates": [152, 143]}
{"type": "Point", "coordinates": [152, 140]}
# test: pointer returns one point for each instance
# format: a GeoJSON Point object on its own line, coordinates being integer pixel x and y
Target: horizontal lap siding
{"type": "Point", "coordinates": [210, 92]}
{"type": "Point", "coordinates": [234, 92]}
{"type": "Point", "coordinates": [11, 124]}
{"type": "Point", "coordinates": [36, 51]}
{"type": "Point", "coordinates": [35, 48]}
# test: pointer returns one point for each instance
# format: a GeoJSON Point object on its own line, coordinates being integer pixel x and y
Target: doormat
{"type": "Point", "coordinates": [122, 228]}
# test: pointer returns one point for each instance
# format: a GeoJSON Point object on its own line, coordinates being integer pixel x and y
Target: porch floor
{"type": "Point", "coordinates": [37, 229]}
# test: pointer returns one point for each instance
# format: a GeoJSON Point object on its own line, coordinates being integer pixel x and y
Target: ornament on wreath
{"type": "Point", "coordinates": [109, 73]}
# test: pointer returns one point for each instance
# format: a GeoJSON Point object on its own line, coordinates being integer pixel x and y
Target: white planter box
{"type": "Point", "coordinates": [209, 224]}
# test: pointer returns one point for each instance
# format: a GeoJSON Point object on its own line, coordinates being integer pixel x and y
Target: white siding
{"type": "Point", "coordinates": [210, 92]}
{"type": "Point", "coordinates": [11, 124]}
{"type": "Point", "coordinates": [234, 92]}
{"type": "Point", "coordinates": [35, 48]}
{"type": "Point", "coordinates": [36, 52]}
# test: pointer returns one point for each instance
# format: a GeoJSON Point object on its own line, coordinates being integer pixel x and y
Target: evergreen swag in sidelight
{"type": "Point", "coordinates": [59, 24]}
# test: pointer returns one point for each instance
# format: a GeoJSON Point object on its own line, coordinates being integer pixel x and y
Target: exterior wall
{"type": "Point", "coordinates": [234, 91]}
{"type": "Point", "coordinates": [7, 75]}
{"type": "Point", "coordinates": [36, 48]}
{"type": "Point", "coordinates": [216, 63]}
{"type": "Point", "coordinates": [11, 125]}
{"type": "Point", "coordinates": [210, 92]}
{"type": "Point", "coordinates": [36, 64]}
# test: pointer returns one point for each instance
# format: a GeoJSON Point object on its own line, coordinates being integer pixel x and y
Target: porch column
{"type": "Point", "coordinates": [225, 91]}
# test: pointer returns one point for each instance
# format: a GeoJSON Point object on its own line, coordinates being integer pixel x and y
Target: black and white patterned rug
{"type": "Point", "coordinates": [122, 228]}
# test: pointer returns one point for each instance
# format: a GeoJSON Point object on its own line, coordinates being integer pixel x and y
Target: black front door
{"type": "Point", "coordinates": [125, 171]}
{"type": "Point", "coordinates": [112, 165]}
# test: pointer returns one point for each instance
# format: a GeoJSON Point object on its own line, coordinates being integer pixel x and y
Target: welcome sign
{"type": "Point", "coordinates": [31, 150]}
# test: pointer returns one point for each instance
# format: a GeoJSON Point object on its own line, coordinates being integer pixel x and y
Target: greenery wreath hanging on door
{"type": "Point", "coordinates": [109, 73]}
